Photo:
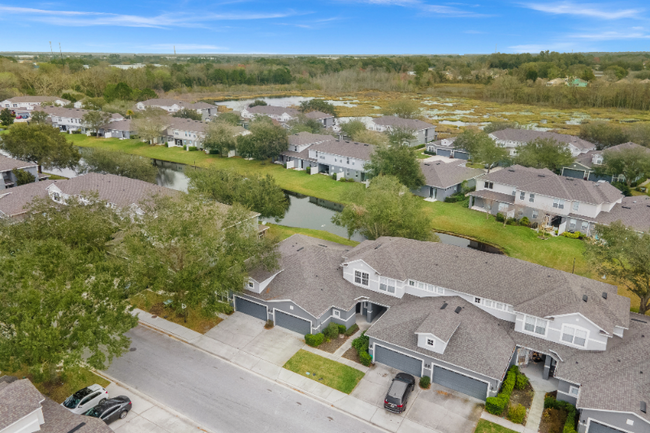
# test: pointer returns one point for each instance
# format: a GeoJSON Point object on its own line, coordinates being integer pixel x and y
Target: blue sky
{"type": "Point", "coordinates": [325, 27]}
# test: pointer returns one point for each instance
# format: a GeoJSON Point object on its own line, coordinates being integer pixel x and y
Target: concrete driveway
{"type": "Point", "coordinates": [438, 408]}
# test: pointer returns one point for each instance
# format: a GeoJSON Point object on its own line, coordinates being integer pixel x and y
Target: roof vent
{"type": "Point", "coordinates": [427, 164]}
{"type": "Point", "coordinates": [541, 175]}
{"type": "Point", "coordinates": [365, 144]}
{"type": "Point", "coordinates": [585, 297]}
{"type": "Point", "coordinates": [300, 249]}
{"type": "Point", "coordinates": [321, 245]}
{"type": "Point", "coordinates": [444, 306]}
{"type": "Point", "coordinates": [643, 407]}
{"type": "Point", "coordinates": [377, 246]}
{"type": "Point", "coordinates": [604, 295]}
{"type": "Point", "coordinates": [457, 310]}
{"type": "Point", "coordinates": [511, 170]}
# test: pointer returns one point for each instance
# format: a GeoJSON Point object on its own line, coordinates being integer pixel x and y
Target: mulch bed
{"type": "Point", "coordinates": [352, 355]}
{"type": "Point", "coordinates": [332, 345]}
{"type": "Point", "coordinates": [524, 396]}
{"type": "Point", "coordinates": [552, 421]}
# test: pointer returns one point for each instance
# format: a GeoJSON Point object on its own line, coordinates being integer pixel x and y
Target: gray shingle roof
{"type": "Point", "coordinates": [545, 182]}
{"type": "Point", "coordinates": [346, 148]}
{"type": "Point", "coordinates": [37, 99]}
{"type": "Point", "coordinates": [18, 398]}
{"type": "Point", "coordinates": [318, 115]}
{"type": "Point", "coordinates": [444, 175]}
{"type": "Point", "coordinates": [162, 102]}
{"type": "Point", "coordinates": [121, 125]}
{"type": "Point", "coordinates": [529, 288]}
{"type": "Point", "coordinates": [441, 322]}
{"type": "Point", "coordinates": [398, 122]}
{"type": "Point", "coordinates": [492, 195]}
{"type": "Point", "coordinates": [8, 164]}
{"type": "Point", "coordinates": [273, 110]}
{"type": "Point", "coordinates": [60, 420]}
{"type": "Point", "coordinates": [186, 124]}
{"type": "Point", "coordinates": [527, 135]}
{"type": "Point", "coordinates": [73, 113]}
{"type": "Point", "coordinates": [14, 200]}
{"type": "Point", "coordinates": [480, 343]}
{"type": "Point", "coordinates": [302, 138]}
{"type": "Point", "coordinates": [632, 211]}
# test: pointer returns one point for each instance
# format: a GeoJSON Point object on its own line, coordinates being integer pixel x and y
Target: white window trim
{"type": "Point", "coordinates": [428, 344]}
{"type": "Point", "coordinates": [575, 327]}
{"type": "Point", "coordinates": [572, 388]}
{"type": "Point", "coordinates": [337, 313]}
{"type": "Point", "coordinates": [361, 278]}
{"type": "Point", "coordinates": [524, 330]}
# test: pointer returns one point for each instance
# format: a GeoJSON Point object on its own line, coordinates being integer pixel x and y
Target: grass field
{"type": "Point", "coordinates": [484, 426]}
{"type": "Point", "coordinates": [283, 232]}
{"type": "Point", "coordinates": [330, 373]}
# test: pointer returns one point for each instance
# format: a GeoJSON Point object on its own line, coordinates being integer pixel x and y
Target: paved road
{"type": "Point", "coordinates": [220, 396]}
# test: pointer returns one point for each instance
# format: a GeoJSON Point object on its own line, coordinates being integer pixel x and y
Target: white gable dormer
{"type": "Point", "coordinates": [430, 342]}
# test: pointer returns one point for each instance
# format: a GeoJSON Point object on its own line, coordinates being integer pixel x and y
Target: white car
{"type": "Point", "coordinates": [85, 399]}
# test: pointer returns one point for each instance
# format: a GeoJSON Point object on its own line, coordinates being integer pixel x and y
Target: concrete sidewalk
{"type": "Point", "coordinates": [248, 345]}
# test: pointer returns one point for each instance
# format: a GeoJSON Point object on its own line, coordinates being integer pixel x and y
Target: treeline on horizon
{"type": "Point", "coordinates": [502, 77]}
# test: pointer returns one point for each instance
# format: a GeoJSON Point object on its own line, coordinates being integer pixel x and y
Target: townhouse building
{"type": "Point", "coordinates": [344, 158]}
{"type": "Point", "coordinates": [445, 147]}
{"type": "Point", "coordinates": [122, 129]}
{"type": "Point", "coordinates": [325, 119]}
{"type": "Point", "coordinates": [587, 165]}
{"type": "Point", "coordinates": [297, 155]}
{"type": "Point", "coordinates": [31, 102]}
{"type": "Point", "coordinates": [8, 178]}
{"type": "Point", "coordinates": [513, 138]}
{"type": "Point", "coordinates": [173, 106]}
{"type": "Point", "coordinates": [190, 133]}
{"type": "Point", "coordinates": [443, 179]}
{"type": "Point", "coordinates": [70, 120]}
{"type": "Point", "coordinates": [423, 132]}
{"type": "Point", "coordinates": [542, 196]}
{"type": "Point", "coordinates": [281, 114]}
{"type": "Point", "coordinates": [463, 317]}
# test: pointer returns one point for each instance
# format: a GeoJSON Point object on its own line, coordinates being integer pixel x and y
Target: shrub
{"type": "Point", "coordinates": [517, 413]}
{"type": "Point", "coordinates": [496, 405]}
{"type": "Point", "coordinates": [342, 329]}
{"type": "Point", "coordinates": [433, 153]}
{"type": "Point", "coordinates": [308, 170]}
{"type": "Point", "coordinates": [570, 423]}
{"type": "Point", "coordinates": [361, 343]}
{"type": "Point", "coordinates": [191, 148]}
{"type": "Point", "coordinates": [314, 340]}
{"type": "Point", "coordinates": [521, 382]}
{"type": "Point", "coordinates": [269, 324]}
{"type": "Point", "coordinates": [351, 330]}
{"type": "Point", "coordinates": [420, 146]}
{"type": "Point", "coordinates": [511, 221]}
{"type": "Point", "coordinates": [333, 176]}
{"type": "Point", "coordinates": [331, 331]}
{"type": "Point", "coordinates": [500, 217]}
{"type": "Point", "coordinates": [425, 382]}
{"type": "Point", "coordinates": [365, 358]}
{"type": "Point", "coordinates": [454, 198]}
{"type": "Point", "coordinates": [524, 221]}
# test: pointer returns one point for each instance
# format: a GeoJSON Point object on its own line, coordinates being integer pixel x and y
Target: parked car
{"type": "Point", "coordinates": [112, 409]}
{"type": "Point", "coordinates": [85, 399]}
{"type": "Point", "coordinates": [398, 393]}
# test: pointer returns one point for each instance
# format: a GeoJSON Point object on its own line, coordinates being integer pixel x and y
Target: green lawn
{"type": "Point", "coordinates": [328, 372]}
{"type": "Point", "coordinates": [283, 232]}
{"type": "Point", "coordinates": [484, 426]}
{"type": "Point", "coordinates": [65, 386]}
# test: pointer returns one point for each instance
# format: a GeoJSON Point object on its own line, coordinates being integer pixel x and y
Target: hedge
{"type": "Point", "coordinates": [331, 331]}
{"type": "Point", "coordinates": [361, 344]}
{"type": "Point", "coordinates": [517, 414]}
{"type": "Point", "coordinates": [351, 330]}
{"type": "Point", "coordinates": [314, 340]}
{"type": "Point", "coordinates": [521, 382]}
{"type": "Point", "coordinates": [496, 405]}
{"type": "Point", "coordinates": [425, 382]}
{"type": "Point", "coordinates": [570, 423]}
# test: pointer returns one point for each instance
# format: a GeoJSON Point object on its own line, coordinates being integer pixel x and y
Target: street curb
{"type": "Point", "coordinates": [279, 382]}
{"type": "Point", "coordinates": [152, 401]}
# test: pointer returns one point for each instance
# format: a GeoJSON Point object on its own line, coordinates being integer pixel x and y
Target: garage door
{"type": "Point", "coordinates": [301, 326]}
{"type": "Point", "coordinates": [398, 360]}
{"type": "Point", "coordinates": [595, 427]}
{"type": "Point", "coordinates": [443, 152]}
{"type": "Point", "coordinates": [250, 308]}
{"type": "Point", "coordinates": [461, 155]}
{"type": "Point", "coordinates": [460, 383]}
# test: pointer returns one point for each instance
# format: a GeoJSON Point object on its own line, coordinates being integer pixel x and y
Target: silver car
{"type": "Point", "coordinates": [85, 399]}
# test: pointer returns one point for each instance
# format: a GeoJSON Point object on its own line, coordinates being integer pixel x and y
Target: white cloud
{"type": "Point", "coordinates": [87, 19]}
{"type": "Point", "coordinates": [584, 10]}
{"type": "Point", "coordinates": [423, 7]}
{"type": "Point", "coordinates": [612, 36]}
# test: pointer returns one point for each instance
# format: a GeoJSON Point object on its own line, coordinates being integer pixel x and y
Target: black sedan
{"type": "Point", "coordinates": [111, 409]}
{"type": "Point", "coordinates": [398, 393]}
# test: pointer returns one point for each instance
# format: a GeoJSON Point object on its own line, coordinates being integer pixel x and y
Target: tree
{"type": "Point", "coordinates": [266, 140]}
{"type": "Point", "coordinates": [353, 127]}
{"type": "Point", "coordinates": [399, 136]}
{"type": "Point", "coordinates": [120, 91]}
{"type": "Point", "coordinates": [544, 153]}
{"type": "Point", "coordinates": [305, 124]}
{"type": "Point", "coordinates": [220, 136]}
{"type": "Point", "coordinates": [98, 160]}
{"type": "Point", "coordinates": [195, 250]}
{"type": "Point", "coordinates": [23, 177]}
{"type": "Point", "coordinates": [397, 160]}
{"type": "Point", "coordinates": [184, 113]}
{"type": "Point", "coordinates": [481, 148]}
{"type": "Point", "coordinates": [386, 208]}
{"type": "Point", "coordinates": [318, 105]}
{"type": "Point", "coordinates": [229, 117]}
{"type": "Point", "coordinates": [492, 155]}
{"type": "Point", "coordinates": [150, 128]}
{"type": "Point", "coordinates": [624, 254]}
{"type": "Point", "coordinates": [40, 144]}
{"type": "Point", "coordinates": [631, 162]}
{"type": "Point", "coordinates": [257, 193]}
{"type": "Point", "coordinates": [39, 117]}
{"type": "Point", "coordinates": [371, 137]}
{"type": "Point", "coordinates": [258, 103]}
{"type": "Point", "coordinates": [618, 71]}
{"type": "Point", "coordinates": [64, 298]}
{"type": "Point", "coordinates": [404, 108]}
{"type": "Point", "coordinates": [6, 118]}
{"type": "Point", "coordinates": [96, 120]}
{"type": "Point", "coordinates": [604, 134]}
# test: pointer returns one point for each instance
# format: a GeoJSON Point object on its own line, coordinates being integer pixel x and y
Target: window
{"type": "Point", "coordinates": [489, 185]}
{"type": "Point", "coordinates": [572, 224]}
{"type": "Point", "coordinates": [573, 390]}
{"type": "Point", "coordinates": [629, 422]}
{"type": "Point", "coordinates": [535, 325]}
{"type": "Point", "coordinates": [573, 335]}
{"type": "Point", "coordinates": [535, 213]}
{"type": "Point", "coordinates": [488, 303]}
{"type": "Point", "coordinates": [514, 192]}
{"type": "Point", "coordinates": [250, 284]}
{"type": "Point", "coordinates": [477, 300]}
{"type": "Point", "coordinates": [584, 226]}
{"type": "Point", "coordinates": [522, 195]}
{"type": "Point", "coordinates": [576, 205]}
{"type": "Point", "coordinates": [337, 313]}
{"type": "Point", "coordinates": [431, 342]}
{"type": "Point", "coordinates": [531, 198]}
{"type": "Point", "coordinates": [557, 203]}
{"type": "Point", "coordinates": [411, 283]}
{"type": "Point", "coordinates": [387, 285]}
{"type": "Point", "coordinates": [348, 160]}
{"type": "Point", "coordinates": [361, 278]}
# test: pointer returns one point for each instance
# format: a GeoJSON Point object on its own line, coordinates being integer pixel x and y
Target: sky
{"type": "Point", "coordinates": [325, 27]}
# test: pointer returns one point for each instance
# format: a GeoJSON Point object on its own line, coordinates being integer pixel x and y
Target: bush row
{"type": "Point", "coordinates": [331, 331]}
{"type": "Point", "coordinates": [361, 344]}
{"type": "Point", "coordinates": [570, 423]}
{"type": "Point", "coordinates": [496, 405]}
{"type": "Point", "coordinates": [575, 235]}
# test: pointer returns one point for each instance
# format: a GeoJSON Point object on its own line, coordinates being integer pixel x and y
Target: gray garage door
{"type": "Point", "coordinates": [443, 152]}
{"type": "Point", "coordinates": [302, 327]}
{"type": "Point", "coordinates": [399, 361]}
{"type": "Point", "coordinates": [461, 155]}
{"type": "Point", "coordinates": [460, 383]}
{"type": "Point", "coordinates": [595, 427]}
{"type": "Point", "coordinates": [250, 308]}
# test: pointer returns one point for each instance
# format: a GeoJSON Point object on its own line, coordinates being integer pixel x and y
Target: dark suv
{"type": "Point", "coordinates": [398, 393]}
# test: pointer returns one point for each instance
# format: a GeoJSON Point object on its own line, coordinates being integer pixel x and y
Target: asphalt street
{"type": "Point", "coordinates": [219, 395]}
